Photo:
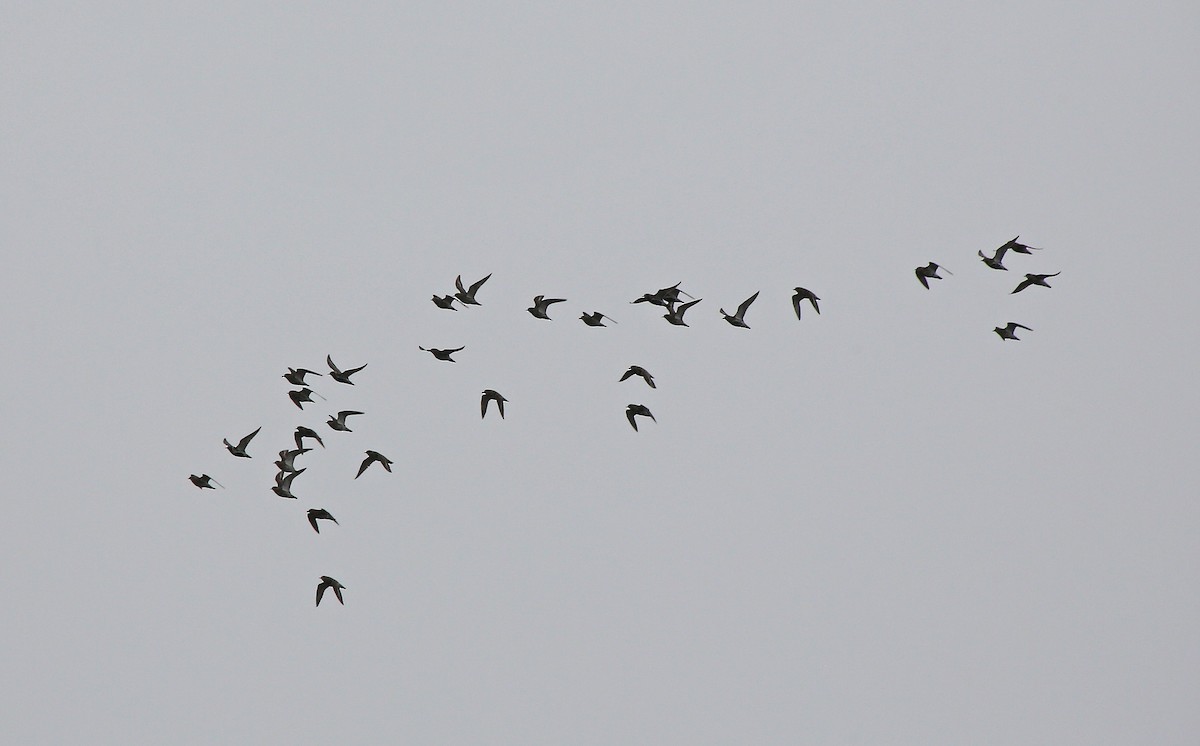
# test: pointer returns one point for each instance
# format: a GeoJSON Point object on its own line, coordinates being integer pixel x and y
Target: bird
{"type": "Point", "coordinates": [596, 319]}
{"type": "Point", "coordinates": [303, 432]}
{"type": "Point", "coordinates": [328, 582]}
{"type": "Point", "coordinates": [319, 514]}
{"type": "Point", "coordinates": [1010, 331]}
{"type": "Point", "coordinates": [674, 313]}
{"type": "Point", "coordinates": [665, 297]}
{"type": "Point", "coordinates": [339, 375]}
{"type": "Point", "coordinates": [541, 306]}
{"type": "Point", "coordinates": [635, 409]}
{"type": "Point", "coordinates": [339, 422]}
{"type": "Point", "coordinates": [445, 301]}
{"type": "Point", "coordinates": [287, 459]}
{"type": "Point", "coordinates": [491, 395]}
{"type": "Point", "coordinates": [296, 375]}
{"type": "Point", "coordinates": [994, 261]}
{"type": "Point", "coordinates": [204, 481]}
{"type": "Point", "coordinates": [442, 354]}
{"type": "Point", "coordinates": [738, 319]}
{"type": "Point", "coordinates": [300, 396]}
{"type": "Point", "coordinates": [637, 370]}
{"type": "Point", "coordinates": [802, 294]}
{"type": "Point", "coordinates": [1018, 248]}
{"type": "Point", "coordinates": [283, 483]}
{"type": "Point", "coordinates": [1031, 279]}
{"type": "Point", "coordinates": [374, 456]}
{"type": "Point", "coordinates": [930, 271]}
{"type": "Point", "coordinates": [240, 449]}
{"type": "Point", "coordinates": [465, 296]}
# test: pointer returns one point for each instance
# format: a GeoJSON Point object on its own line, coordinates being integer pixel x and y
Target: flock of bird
{"type": "Point", "coordinates": [668, 298]}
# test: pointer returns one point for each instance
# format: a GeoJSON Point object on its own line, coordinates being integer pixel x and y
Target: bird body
{"type": "Point", "coordinates": [1031, 279]}
{"type": "Point", "coordinates": [1010, 330]}
{"type": "Point", "coordinates": [339, 422]}
{"type": "Point", "coordinates": [491, 395]}
{"type": "Point", "coordinates": [371, 457]}
{"type": "Point", "coordinates": [328, 582]}
{"type": "Point", "coordinates": [239, 450]}
{"type": "Point", "coordinates": [739, 319]}
{"type": "Point", "coordinates": [541, 306]}
{"type": "Point", "coordinates": [802, 295]}
{"type": "Point", "coordinates": [637, 370]}
{"type": "Point", "coordinates": [339, 375]}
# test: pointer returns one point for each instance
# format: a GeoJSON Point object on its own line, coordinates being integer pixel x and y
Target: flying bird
{"type": "Point", "coordinates": [287, 459]}
{"type": "Point", "coordinates": [1017, 248]}
{"type": "Point", "coordinates": [995, 261]}
{"type": "Point", "coordinates": [374, 456]}
{"type": "Point", "coordinates": [240, 449]}
{"type": "Point", "coordinates": [1034, 280]}
{"type": "Point", "coordinates": [929, 271]}
{"type": "Point", "coordinates": [204, 481]}
{"type": "Point", "coordinates": [328, 582]}
{"type": "Point", "coordinates": [1010, 331]}
{"type": "Point", "coordinates": [303, 432]}
{"type": "Point", "coordinates": [675, 313]}
{"type": "Point", "coordinates": [634, 410]}
{"type": "Point", "coordinates": [739, 318]}
{"type": "Point", "coordinates": [596, 319]}
{"type": "Point", "coordinates": [664, 297]}
{"type": "Point", "coordinates": [802, 295]}
{"type": "Point", "coordinates": [465, 296]}
{"type": "Point", "coordinates": [341, 376]}
{"type": "Point", "coordinates": [339, 422]}
{"type": "Point", "coordinates": [442, 354]}
{"type": "Point", "coordinates": [541, 306]}
{"type": "Point", "coordinates": [491, 395]}
{"type": "Point", "coordinates": [283, 483]}
{"type": "Point", "coordinates": [300, 396]}
{"type": "Point", "coordinates": [445, 301]}
{"type": "Point", "coordinates": [319, 514]}
{"type": "Point", "coordinates": [296, 376]}
{"type": "Point", "coordinates": [637, 370]}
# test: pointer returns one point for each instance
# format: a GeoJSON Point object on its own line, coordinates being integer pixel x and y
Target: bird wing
{"type": "Point", "coordinates": [332, 367]}
{"type": "Point", "coordinates": [629, 415]}
{"type": "Point", "coordinates": [352, 371]}
{"type": "Point", "coordinates": [312, 519]}
{"type": "Point", "coordinates": [337, 591]}
{"type": "Point", "coordinates": [478, 285]}
{"type": "Point", "coordinates": [321, 591]}
{"type": "Point", "coordinates": [458, 284]}
{"type": "Point", "coordinates": [628, 373]}
{"type": "Point", "coordinates": [366, 462]}
{"type": "Point", "coordinates": [483, 401]}
{"type": "Point", "coordinates": [1019, 326]}
{"type": "Point", "coordinates": [796, 303]}
{"type": "Point", "coordinates": [1024, 284]}
{"type": "Point", "coordinates": [921, 277]}
{"type": "Point", "coordinates": [456, 349]}
{"type": "Point", "coordinates": [745, 304]}
{"type": "Point", "coordinates": [246, 440]}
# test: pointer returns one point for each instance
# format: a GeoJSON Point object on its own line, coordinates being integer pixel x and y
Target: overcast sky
{"type": "Point", "coordinates": [877, 525]}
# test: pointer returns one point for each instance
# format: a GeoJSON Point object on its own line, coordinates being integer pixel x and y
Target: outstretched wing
{"type": "Point", "coordinates": [321, 591]}
{"type": "Point", "coordinates": [246, 440]}
{"type": "Point", "coordinates": [332, 367]}
{"type": "Point", "coordinates": [746, 304]}
{"type": "Point", "coordinates": [477, 285]}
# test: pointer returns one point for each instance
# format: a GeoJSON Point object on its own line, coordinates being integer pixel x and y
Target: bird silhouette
{"type": "Point", "coordinates": [801, 295]}
{"type": "Point", "coordinates": [240, 449]}
{"type": "Point", "coordinates": [1031, 279]}
{"type": "Point", "coordinates": [339, 422]}
{"type": "Point", "coordinates": [491, 395]}
{"type": "Point", "coordinates": [995, 261]}
{"type": "Point", "coordinates": [1017, 248]}
{"type": "Point", "coordinates": [287, 459]}
{"type": "Point", "coordinates": [283, 483]}
{"type": "Point", "coordinates": [930, 271]}
{"type": "Point", "coordinates": [596, 319]}
{"type": "Point", "coordinates": [296, 375]}
{"type": "Point", "coordinates": [319, 514]}
{"type": "Point", "coordinates": [675, 313]}
{"type": "Point", "coordinates": [665, 297]}
{"type": "Point", "coordinates": [303, 432]}
{"type": "Point", "coordinates": [445, 301]}
{"type": "Point", "coordinates": [300, 396]}
{"type": "Point", "coordinates": [328, 582]}
{"type": "Point", "coordinates": [203, 481]}
{"type": "Point", "coordinates": [374, 456]}
{"type": "Point", "coordinates": [739, 318]}
{"type": "Point", "coordinates": [465, 296]}
{"type": "Point", "coordinates": [637, 370]}
{"type": "Point", "coordinates": [442, 354]}
{"type": "Point", "coordinates": [541, 306]}
{"type": "Point", "coordinates": [1010, 331]}
{"type": "Point", "coordinates": [634, 410]}
{"type": "Point", "coordinates": [339, 375]}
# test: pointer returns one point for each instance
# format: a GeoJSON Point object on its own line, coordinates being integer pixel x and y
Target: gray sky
{"type": "Point", "coordinates": [877, 525]}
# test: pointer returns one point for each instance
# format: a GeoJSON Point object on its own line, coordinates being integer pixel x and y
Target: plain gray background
{"type": "Point", "coordinates": [879, 525]}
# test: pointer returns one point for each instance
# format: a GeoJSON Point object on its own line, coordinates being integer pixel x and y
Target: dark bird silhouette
{"type": "Point", "coordinates": [296, 376]}
{"type": "Point", "coordinates": [287, 459]}
{"type": "Point", "coordinates": [1035, 280]}
{"type": "Point", "coordinates": [240, 449]}
{"type": "Point", "coordinates": [300, 396]}
{"type": "Point", "coordinates": [490, 395]}
{"type": "Point", "coordinates": [442, 354]}
{"type": "Point", "coordinates": [739, 318]}
{"type": "Point", "coordinates": [1018, 248]}
{"type": "Point", "coordinates": [204, 481]}
{"type": "Point", "coordinates": [319, 514]}
{"type": "Point", "coordinates": [465, 296]}
{"type": "Point", "coordinates": [664, 297]}
{"type": "Point", "coordinates": [339, 422]}
{"type": "Point", "coordinates": [303, 432]}
{"type": "Point", "coordinates": [445, 301]}
{"type": "Point", "coordinates": [328, 582]}
{"type": "Point", "coordinates": [637, 370]}
{"type": "Point", "coordinates": [1010, 331]}
{"type": "Point", "coordinates": [541, 306]}
{"type": "Point", "coordinates": [802, 295]}
{"type": "Point", "coordinates": [374, 456]}
{"type": "Point", "coordinates": [995, 261]}
{"type": "Point", "coordinates": [675, 313]}
{"type": "Point", "coordinates": [596, 319]}
{"type": "Point", "coordinates": [930, 271]}
{"type": "Point", "coordinates": [341, 376]}
{"type": "Point", "coordinates": [634, 410]}
{"type": "Point", "coordinates": [283, 483]}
